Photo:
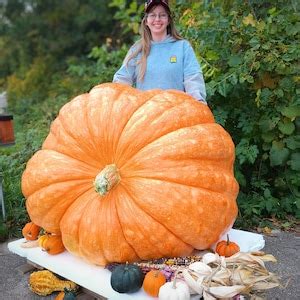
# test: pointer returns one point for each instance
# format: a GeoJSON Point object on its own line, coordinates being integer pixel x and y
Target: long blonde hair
{"type": "Point", "coordinates": [143, 45]}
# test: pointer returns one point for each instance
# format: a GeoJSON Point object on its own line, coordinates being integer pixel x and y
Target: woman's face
{"type": "Point", "coordinates": [158, 20]}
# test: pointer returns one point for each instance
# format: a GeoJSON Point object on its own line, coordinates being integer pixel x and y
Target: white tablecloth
{"type": "Point", "coordinates": [97, 279]}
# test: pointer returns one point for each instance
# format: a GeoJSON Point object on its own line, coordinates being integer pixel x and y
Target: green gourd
{"type": "Point", "coordinates": [66, 295]}
{"type": "Point", "coordinates": [126, 278]}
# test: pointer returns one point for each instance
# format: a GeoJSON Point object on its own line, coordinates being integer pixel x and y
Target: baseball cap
{"type": "Point", "coordinates": [150, 3]}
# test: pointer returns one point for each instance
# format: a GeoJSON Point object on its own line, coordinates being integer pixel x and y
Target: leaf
{"type": "Point", "coordinates": [278, 154]}
{"type": "Point", "coordinates": [268, 136]}
{"type": "Point", "coordinates": [223, 88]}
{"type": "Point", "coordinates": [254, 42]}
{"type": "Point", "coordinates": [234, 60]}
{"type": "Point", "coordinates": [246, 152]}
{"type": "Point", "coordinates": [279, 93]}
{"type": "Point", "coordinates": [211, 55]}
{"type": "Point", "coordinates": [292, 111]}
{"type": "Point", "coordinates": [286, 127]}
{"type": "Point", "coordinates": [270, 203]}
{"type": "Point", "coordinates": [295, 161]}
{"type": "Point", "coordinates": [249, 20]}
{"type": "Point", "coordinates": [266, 123]}
{"type": "Point", "coordinates": [258, 93]}
{"type": "Point", "coordinates": [233, 79]}
{"type": "Point", "coordinates": [293, 142]}
{"type": "Point", "coordinates": [221, 115]}
{"type": "Point", "coordinates": [249, 78]}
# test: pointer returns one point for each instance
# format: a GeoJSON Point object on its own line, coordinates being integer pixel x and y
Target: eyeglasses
{"type": "Point", "coordinates": [160, 16]}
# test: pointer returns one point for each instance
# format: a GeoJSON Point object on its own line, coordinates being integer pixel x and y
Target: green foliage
{"type": "Point", "coordinates": [3, 232]}
{"type": "Point", "coordinates": [33, 85]}
{"type": "Point", "coordinates": [100, 67]}
{"type": "Point", "coordinates": [129, 15]}
{"type": "Point", "coordinates": [50, 28]}
{"type": "Point", "coordinates": [249, 55]}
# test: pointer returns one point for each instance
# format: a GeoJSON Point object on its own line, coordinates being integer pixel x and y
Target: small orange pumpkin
{"type": "Point", "coordinates": [227, 248]}
{"type": "Point", "coordinates": [154, 279]}
{"type": "Point", "coordinates": [31, 231]}
{"type": "Point", "coordinates": [52, 244]}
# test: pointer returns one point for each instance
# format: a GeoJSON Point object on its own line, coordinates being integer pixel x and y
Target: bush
{"type": "Point", "coordinates": [249, 57]}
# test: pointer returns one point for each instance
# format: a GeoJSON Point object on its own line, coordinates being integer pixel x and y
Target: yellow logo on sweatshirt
{"type": "Point", "coordinates": [173, 59]}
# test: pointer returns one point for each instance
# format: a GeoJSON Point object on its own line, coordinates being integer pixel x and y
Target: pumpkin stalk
{"type": "Point", "coordinates": [108, 178]}
{"type": "Point", "coordinates": [175, 280]}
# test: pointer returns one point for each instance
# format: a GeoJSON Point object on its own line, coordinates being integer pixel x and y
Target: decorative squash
{"type": "Point", "coordinates": [227, 248]}
{"type": "Point", "coordinates": [154, 279]}
{"type": "Point", "coordinates": [174, 290]}
{"type": "Point", "coordinates": [31, 231]}
{"type": "Point", "coordinates": [53, 244]}
{"type": "Point", "coordinates": [42, 239]}
{"type": "Point", "coordinates": [126, 278]}
{"type": "Point", "coordinates": [132, 164]}
{"type": "Point", "coordinates": [45, 282]}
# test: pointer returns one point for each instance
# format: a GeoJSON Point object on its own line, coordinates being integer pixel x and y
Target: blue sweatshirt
{"type": "Point", "coordinates": [171, 64]}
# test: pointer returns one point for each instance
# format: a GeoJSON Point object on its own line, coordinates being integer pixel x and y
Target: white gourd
{"type": "Point", "coordinates": [175, 290]}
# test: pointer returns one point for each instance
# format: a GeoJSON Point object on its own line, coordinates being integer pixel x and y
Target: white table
{"type": "Point", "coordinates": [96, 278]}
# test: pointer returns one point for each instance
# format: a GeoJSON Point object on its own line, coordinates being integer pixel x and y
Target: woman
{"type": "Point", "coordinates": [162, 59]}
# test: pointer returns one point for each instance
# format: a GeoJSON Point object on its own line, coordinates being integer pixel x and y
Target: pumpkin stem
{"type": "Point", "coordinates": [175, 280]}
{"type": "Point", "coordinates": [107, 179]}
{"type": "Point", "coordinates": [157, 273]}
{"type": "Point", "coordinates": [228, 241]}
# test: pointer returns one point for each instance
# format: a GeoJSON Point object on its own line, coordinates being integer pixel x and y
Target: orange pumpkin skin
{"type": "Point", "coordinates": [153, 280]}
{"type": "Point", "coordinates": [227, 248]}
{"type": "Point", "coordinates": [175, 176]}
{"type": "Point", "coordinates": [31, 231]}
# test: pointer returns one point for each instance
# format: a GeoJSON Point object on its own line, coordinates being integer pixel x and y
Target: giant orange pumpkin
{"type": "Point", "coordinates": [126, 175]}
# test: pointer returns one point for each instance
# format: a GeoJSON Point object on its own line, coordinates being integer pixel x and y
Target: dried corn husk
{"type": "Point", "coordinates": [225, 291]}
{"type": "Point", "coordinates": [200, 268]}
{"type": "Point", "coordinates": [196, 287]}
{"type": "Point", "coordinates": [218, 277]}
{"type": "Point", "coordinates": [210, 258]}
